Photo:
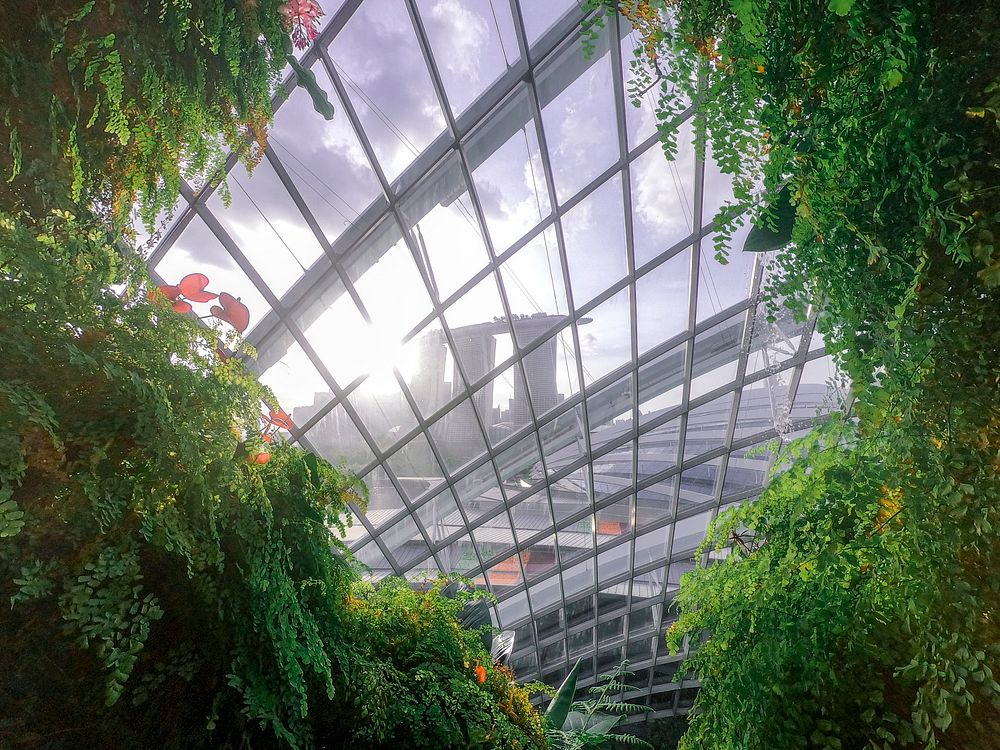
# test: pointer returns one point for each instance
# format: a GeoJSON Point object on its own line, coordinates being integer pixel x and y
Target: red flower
{"type": "Point", "coordinates": [193, 286]}
{"type": "Point", "coordinates": [301, 19]}
{"type": "Point", "coordinates": [481, 673]}
{"type": "Point", "coordinates": [260, 458]}
{"type": "Point", "coordinates": [181, 306]}
{"type": "Point", "coordinates": [232, 311]}
{"type": "Point", "coordinates": [280, 419]}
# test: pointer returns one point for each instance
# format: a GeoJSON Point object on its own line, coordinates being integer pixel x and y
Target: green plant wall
{"type": "Point", "coordinates": [855, 607]}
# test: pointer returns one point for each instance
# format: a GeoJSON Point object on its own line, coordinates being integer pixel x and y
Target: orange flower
{"type": "Point", "coordinates": [480, 673]}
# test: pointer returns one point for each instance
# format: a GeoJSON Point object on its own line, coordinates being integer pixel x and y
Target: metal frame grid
{"type": "Point", "coordinates": [630, 619]}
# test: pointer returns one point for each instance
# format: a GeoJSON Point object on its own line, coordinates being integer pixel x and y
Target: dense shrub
{"type": "Point", "coordinates": [856, 606]}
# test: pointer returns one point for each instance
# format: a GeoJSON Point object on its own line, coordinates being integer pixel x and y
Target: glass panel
{"type": "Point", "coordinates": [581, 644]}
{"type": "Point", "coordinates": [336, 331]}
{"type": "Point", "coordinates": [604, 340]}
{"type": "Point", "coordinates": [520, 466]}
{"type": "Point", "coordinates": [581, 140]}
{"type": "Point", "coordinates": [659, 449]}
{"type": "Point", "coordinates": [337, 439]}
{"type": "Point", "coordinates": [580, 611]}
{"type": "Point", "coordinates": [511, 409]}
{"type": "Point", "coordinates": [405, 543]}
{"type": "Point", "coordinates": [613, 471]}
{"type": "Point", "coordinates": [747, 469]}
{"type": "Point", "coordinates": [371, 556]}
{"type": "Point", "coordinates": [416, 468]}
{"type": "Point", "coordinates": [495, 538]}
{"type": "Point", "coordinates": [579, 578]}
{"type": "Point", "coordinates": [458, 436]}
{"type": "Point", "coordinates": [269, 229]}
{"type": "Point", "coordinates": [540, 557]}
{"type": "Point", "coordinates": [716, 355]}
{"type": "Point", "coordinates": [655, 503]}
{"type": "Point", "coordinates": [399, 113]}
{"type": "Point", "coordinates": [476, 321]}
{"type": "Point", "coordinates": [504, 575]}
{"type": "Point", "coordinates": [651, 546]}
{"type": "Point", "coordinates": [459, 557]}
{"type": "Point", "coordinates": [507, 172]}
{"type": "Point", "coordinates": [440, 516]}
{"type": "Point", "coordinates": [394, 296]}
{"type": "Point", "coordinates": [707, 426]}
{"type": "Point", "coordinates": [445, 230]}
{"type": "Point", "coordinates": [384, 411]}
{"type": "Point", "coordinates": [513, 609]}
{"type": "Point", "coordinates": [662, 197]}
{"type": "Point", "coordinates": [431, 377]}
{"type": "Point", "coordinates": [564, 439]}
{"type": "Point", "coordinates": [661, 383]}
{"type": "Point", "coordinates": [614, 562]}
{"type": "Point", "coordinates": [533, 282]}
{"type": "Point", "coordinates": [699, 485]}
{"type": "Point", "coordinates": [544, 594]}
{"type": "Point", "coordinates": [540, 17]}
{"type": "Point", "coordinates": [384, 502]}
{"type": "Point", "coordinates": [571, 494]}
{"type": "Point", "coordinates": [689, 532]}
{"type": "Point", "coordinates": [722, 285]}
{"type": "Point", "coordinates": [609, 413]}
{"type": "Point", "coordinates": [552, 372]}
{"type": "Point", "coordinates": [324, 158]}
{"type": "Point", "coordinates": [594, 234]}
{"type": "Point", "coordinates": [821, 390]}
{"type": "Point", "coordinates": [639, 121]}
{"type": "Point", "coordinates": [284, 368]}
{"type": "Point", "coordinates": [473, 45]}
{"type": "Point", "coordinates": [531, 516]}
{"type": "Point", "coordinates": [614, 520]}
{"type": "Point", "coordinates": [575, 539]}
{"type": "Point", "coordinates": [479, 493]}
{"type": "Point", "coordinates": [662, 308]}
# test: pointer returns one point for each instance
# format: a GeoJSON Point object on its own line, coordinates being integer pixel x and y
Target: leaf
{"type": "Point", "coordinates": [232, 311]}
{"type": "Point", "coordinates": [558, 710]}
{"type": "Point", "coordinates": [841, 7]}
{"type": "Point", "coordinates": [307, 80]}
{"type": "Point", "coordinates": [762, 239]}
{"type": "Point", "coordinates": [313, 465]}
{"type": "Point", "coordinates": [193, 286]}
{"type": "Point", "coordinates": [11, 519]}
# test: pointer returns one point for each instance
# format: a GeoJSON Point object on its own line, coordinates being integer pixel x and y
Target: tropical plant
{"type": "Point", "coordinates": [173, 565]}
{"type": "Point", "coordinates": [575, 724]}
{"type": "Point", "coordinates": [853, 608]}
{"type": "Point", "coordinates": [105, 101]}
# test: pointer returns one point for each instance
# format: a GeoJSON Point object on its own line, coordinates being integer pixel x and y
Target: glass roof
{"type": "Point", "coordinates": [484, 289]}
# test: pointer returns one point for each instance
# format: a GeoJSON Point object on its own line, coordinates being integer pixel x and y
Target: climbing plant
{"type": "Point", "coordinates": [170, 565]}
{"type": "Point", "coordinates": [109, 102]}
{"type": "Point", "coordinates": [854, 606]}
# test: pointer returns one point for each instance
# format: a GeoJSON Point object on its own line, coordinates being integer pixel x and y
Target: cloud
{"type": "Point", "coordinates": [465, 34]}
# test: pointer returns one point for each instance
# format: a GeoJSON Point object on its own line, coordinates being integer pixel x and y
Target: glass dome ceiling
{"type": "Point", "coordinates": [483, 288]}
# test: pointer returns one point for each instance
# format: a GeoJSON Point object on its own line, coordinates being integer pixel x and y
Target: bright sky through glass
{"type": "Point", "coordinates": [482, 288]}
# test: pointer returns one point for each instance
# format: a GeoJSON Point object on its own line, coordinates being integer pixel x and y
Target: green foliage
{"type": "Point", "coordinates": [162, 590]}
{"type": "Point", "coordinates": [573, 725]}
{"type": "Point", "coordinates": [106, 100]}
{"type": "Point", "coordinates": [854, 607]}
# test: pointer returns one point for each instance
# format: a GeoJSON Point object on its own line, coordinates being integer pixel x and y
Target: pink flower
{"type": "Point", "coordinates": [301, 19]}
